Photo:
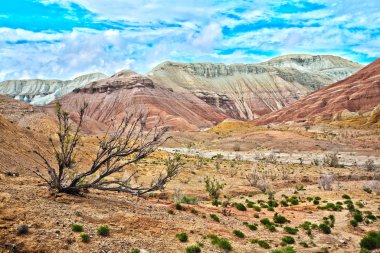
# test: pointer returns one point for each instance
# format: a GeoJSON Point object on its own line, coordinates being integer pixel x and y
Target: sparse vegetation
{"type": "Point", "coordinates": [214, 188]}
{"type": "Point", "coordinates": [193, 249]}
{"type": "Point", "coordinates": [85, 237]}
{"type": "Point", "coordinates": [76, 228]}
{"type": "Point", "coordinates": [371, 241]}
{"type": "Point", "coordinates": [22, 229]}
{"type": "Point", "coordinates": [103, 230]}
{"type": "Point", "coordinates": [182, 237]}
{"type": "Point", "coordinates": [215, 217]}
{"type": "Point", "coordinates": [238, 233]}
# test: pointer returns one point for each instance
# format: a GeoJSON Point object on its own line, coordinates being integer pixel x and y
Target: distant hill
{"type": "Point", "coordinates": [41, 92]}
{"type": "Point", "coordinates": [248, 91]}
{"type": "Point", "coordinates": [357, 94]}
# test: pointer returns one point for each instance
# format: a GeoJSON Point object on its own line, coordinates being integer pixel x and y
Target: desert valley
{"type": "Point", "coordinates": [280, 155]}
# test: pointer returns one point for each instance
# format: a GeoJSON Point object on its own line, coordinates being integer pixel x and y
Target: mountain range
{"type": "Point", "coordinates": [42, 92]}
{"type": "Point", "coordinates": [192, 96]}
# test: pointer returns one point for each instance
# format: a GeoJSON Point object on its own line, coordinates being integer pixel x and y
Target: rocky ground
{"type": "Point", "coordinates": [146, 224]}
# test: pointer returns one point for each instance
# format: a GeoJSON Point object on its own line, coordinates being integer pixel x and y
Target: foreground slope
{"type": "Point", "coordinates": [359, 93]}
{"type": "Point", "coordinates": [41, 92]}
{"type": "Point", "coordinates": [127, 92]}
{"type": "Point", "coordinates": [247, 91]}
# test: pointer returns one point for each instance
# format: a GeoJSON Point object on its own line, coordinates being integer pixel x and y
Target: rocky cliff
{"type": "Point", "coordinates": [247, 91]}
{"type": "Point", "coordinates": [125, 92]}
{"type": "Point", "coordinates": [41, 92]}
{"type": "Point", "coordinates": [357, 94]}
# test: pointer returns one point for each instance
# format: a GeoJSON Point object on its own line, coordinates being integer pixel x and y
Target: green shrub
{"type": "Point", "coordinates": [272, 203]}
{"type": "Point", "coordinates": [182, 237]}
{"type": "Point", "coordinates": [103, 230]}
{"type": "Point", "coordinates": [189, 200]}
{"type": "Point", "coordinates": [284, 203]}
{"type": "Point", "coordinates": [291, 230]}
{"type": "Point", "coordinates": [354, 223]}
{"type": "Point", "coordinates": [257, 208]}
{"type": "Point", "coordinates": [170, 212]}
{"type": "Point", "coordinates": [294, 200]}
{"type": "Point", "coordinates": [285, 250]}
{"type": "Point", "coordinates": [304, 244]}
{"type": "Point", "coordinates": [225, 245]}
{"type": "Point", "coordinates": [265, 221]}
{"type": "Point", "coordinates": [359, 204]}
{"type": "Point", "coordinates": [219, 242]}
{"type": "Point", "coordinates": [193, 211]}
{"type": "Point", "coordinates": [288, 239]}
{"type": "Point", "coordinates": [371, 241]}
{"type": "Point", "coordinates": [135, 251]}
{"type": "Point", "coordinates": [178, 206]}
{"type": "Point", "coordinates": [84, 237]}
{"type": "Point", "coordinates": [238, 233]}
{"type": "Point", "coordinates": [262, 244]}
{"type": "Point", "coordinates": [240, 207]}
{"type": "Point", "coordinates": [193, 249]}
{"type": "Point", "coordinates": [345, 196]}
{"type": "Point", "coordinates": [325, 228]}
{"type": "Point", "coordinates": [252, 226]}
{"type": "Point", "coordinates": [316, 202]}
{"type": "Point", "coordinates": [358, 216]}
{"type": "Point", "coordinates": [215, 217]}
{"type": "Point", "coordinates": [76, 228]}
{"type": "Point", "coordinates": [279, 219]}
{"type": "Point", "coordinates": [256, 215]}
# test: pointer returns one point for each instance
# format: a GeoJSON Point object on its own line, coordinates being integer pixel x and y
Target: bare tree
{"type": "Point", "coordinates": [326, 181]}
{"type": "Point", "coordinates": [122, 145]}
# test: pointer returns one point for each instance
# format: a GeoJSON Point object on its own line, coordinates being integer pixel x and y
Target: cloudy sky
{"type": "Point", "coordinates": [65, 38]}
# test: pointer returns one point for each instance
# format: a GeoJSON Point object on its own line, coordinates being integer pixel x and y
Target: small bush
{"type": "Point", "coordinates": [225, 245]}
{"type": "Point", "coordinates": [178, 206]}
{"type": "Point", "coordinates": [215, 217]}
{"type": "Point", "coordinates": [257, 208]}
{"type": "Point", "coordinates": [103, 230]}
{"type": "Point", "coordinates": [135, 251]}
{"type": "Point", "coordinates": [304, 244]}
{"type": "Point", "coordinates": [238, 233]}
{"type": "Point", "coordinates": [220, 243]}
{"type": "Point", "coordinates": [252, 227]}
{"type": "Point", "coordinates": [189, 200]}
{"type": "Point", "coordinates": [279, 219]}
{"type": "Point", "coordinates": [256, 215]}
{"type": "Point", "coordinates": [182, 237]}
{"type": "Point", "coordinates": [288, 239]}
{"type": "Point", "coordinates": [358, 216]}
{"type": "Point", "coordinates": [193, 249]}
{"type": "Point", "coordinates": [84, 237]}
{"type": "Point", "coordinates": [22, 229]}
{"type": "Point", "coordinates": [371, 241]}
{"type": "Point", "coordinates": [265, 221]}
{"type": "Point", "coordinates": [262, 244]}
{"type": "Point", "coordinates": [76, 228]}
{"type": "Point", "coordinates": [291, 230]}
{"type": "Point", "coordinates": [345, 196]}
{"type": "Point", "coordinates": [354, 223]}
{"type": "Point", "coordinates": [285, 250]}
{"type": "Point", "coordinates": [170, 212]}
{"type": "Point", "coordinates": [316, 202]}
{"type": "Point", "coordinates": [240, 207]}
{"type": "Point", "coordinates": [325, 228]}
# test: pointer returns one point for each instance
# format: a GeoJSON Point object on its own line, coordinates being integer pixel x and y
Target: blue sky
{"type": "Point", "coordinates": [65, 38]}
